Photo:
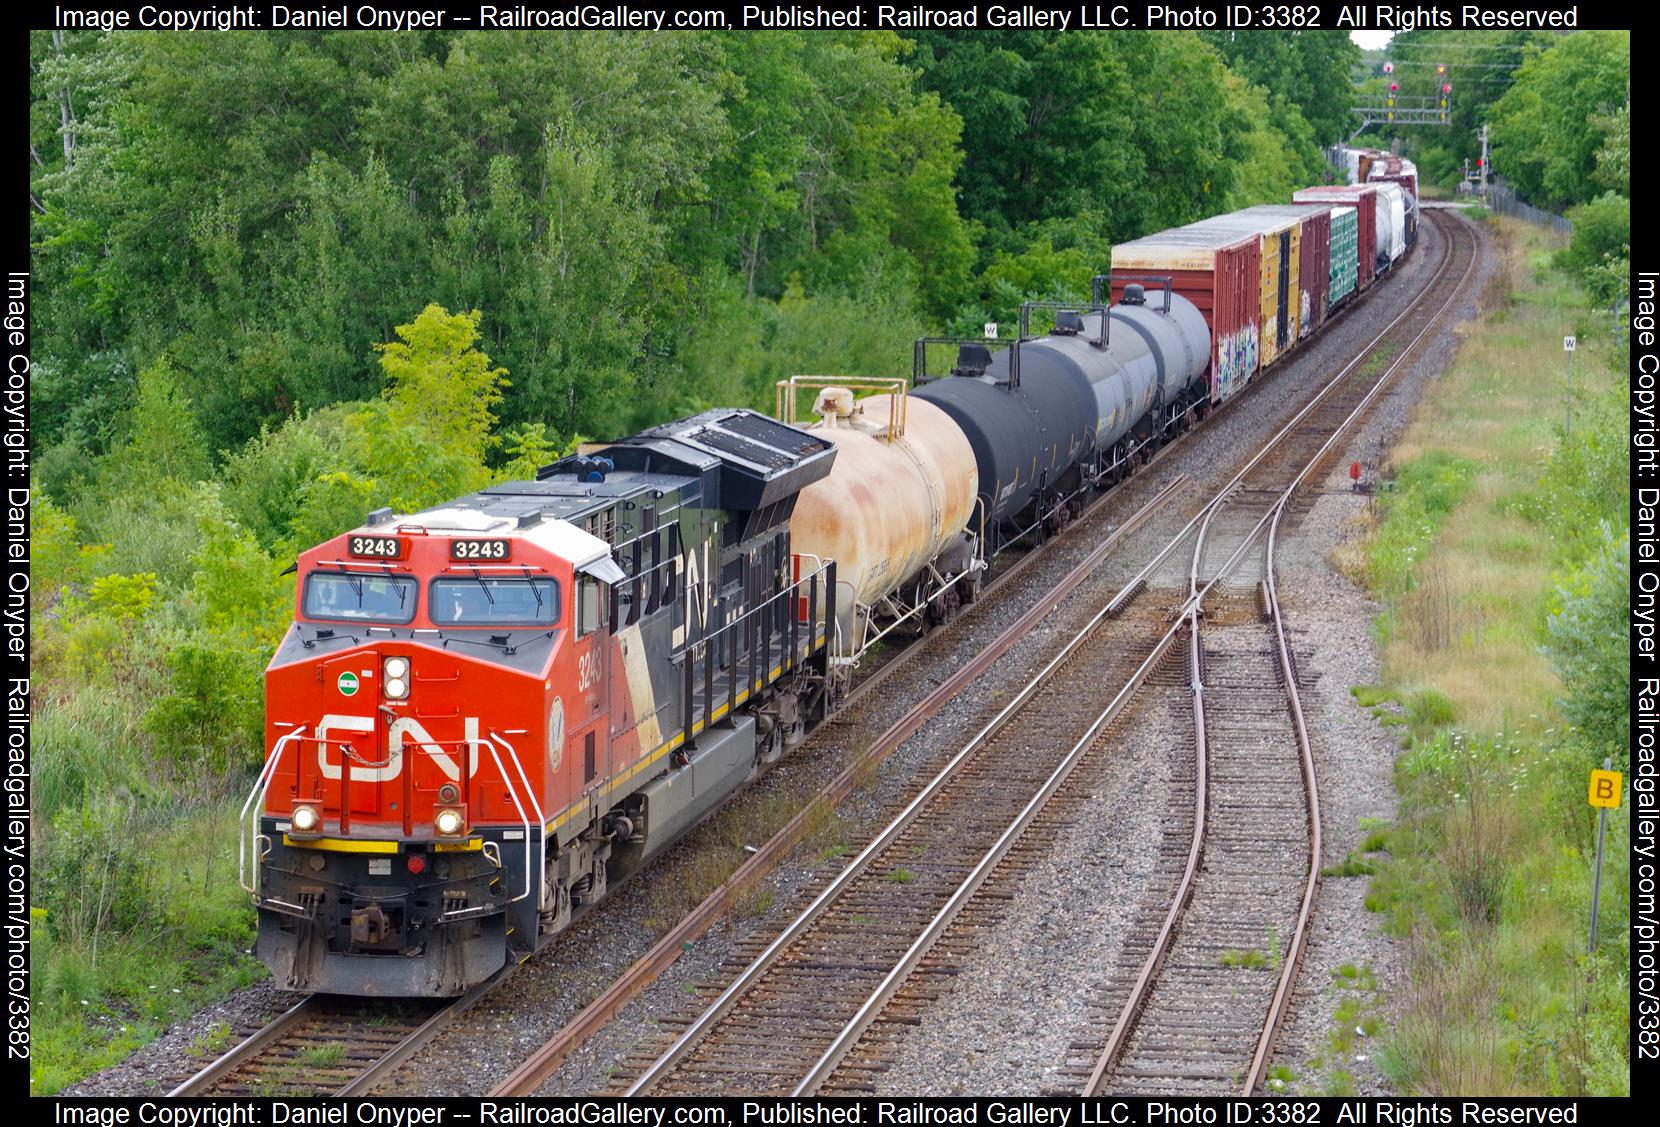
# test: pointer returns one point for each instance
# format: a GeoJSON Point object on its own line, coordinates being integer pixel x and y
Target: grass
{"type": "Point", "coordinates": [99, 992]}
{"type": "Point", "coordinates": [901, 875]}
{"type": "Point", "coordinates": [1236, 958]}
{"type": "Point", "coordinates": [324, 1056]}
{"type": "Point", "coordinates": [1380, 359]}
{"type": "Point", "coordinates": [1351, 866]}
{"type": "Point", "coordinates": [1486, 875]}
{"type": "Point", "coordinates": [212, 1042]}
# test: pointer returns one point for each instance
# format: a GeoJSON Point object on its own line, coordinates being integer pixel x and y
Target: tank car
{"type": "Point", "coordinates": [486, 713]}
{"type": "Point", "coordinates": [1052, 416]}
{"type": "Point", "coordinates": [894, 510]}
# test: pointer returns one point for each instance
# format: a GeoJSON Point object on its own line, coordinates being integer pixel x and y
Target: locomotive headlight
{"type": "Point", "coordinates": [396, 681]}
{"type": "Point", "coordinates": [305, 819]}
{"type": "Point", "coordinates": [450, 822]}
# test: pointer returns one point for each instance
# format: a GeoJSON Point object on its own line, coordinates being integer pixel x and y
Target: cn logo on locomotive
{"type": "Point", "coordinates": [402, 729]}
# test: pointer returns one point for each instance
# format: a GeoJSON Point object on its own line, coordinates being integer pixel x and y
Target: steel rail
{"type": "Point", "coordinates": [534, 1070]}
{"type": "Point", "coordinates": [1255, 1077]}
{"type": "Point", "coordinates": [237, 1055]}
{"type": "Point", "coordinates": [723, 1003]}
{"type": "Point", "coordinates": [1189, 611]}
{"type": "Point", "coordinates": [1141, 988]}
{"type": "Point", "coordinates": [314, 1008]}
{"type": "Point", "coordinates": [717, 1009]}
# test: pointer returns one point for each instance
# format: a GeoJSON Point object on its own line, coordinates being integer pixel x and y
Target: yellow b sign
{"type": "Point", "coordinates": [1605, 789]}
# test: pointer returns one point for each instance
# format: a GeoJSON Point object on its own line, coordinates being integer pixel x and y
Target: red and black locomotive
{"type": "Point", "coordinates": [486, 712]}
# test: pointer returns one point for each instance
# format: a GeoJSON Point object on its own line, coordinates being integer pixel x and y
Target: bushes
{"type": "Point", "coordinates": [1602, 235]}
{"type": "Point", "coordinates": [1489, 870]}
{"type": "Point", "coordinates": [1588, 639]}
{"type": "Point", "coordinates": [92, 878]}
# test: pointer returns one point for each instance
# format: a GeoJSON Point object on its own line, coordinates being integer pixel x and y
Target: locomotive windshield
{"type": "Point", "coordinates": [355, 597]}
{"type": "Point", "coordinates": [490, 601]}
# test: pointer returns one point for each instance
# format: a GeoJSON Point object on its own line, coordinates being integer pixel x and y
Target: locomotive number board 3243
{"type": "Point", "coordinates": [478, 549]}
{"type": "Point", "coordinates": [376, 547]}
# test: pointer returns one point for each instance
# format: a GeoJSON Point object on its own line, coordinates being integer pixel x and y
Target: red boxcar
{"type": "Point", "coordinates": [1218, 272]}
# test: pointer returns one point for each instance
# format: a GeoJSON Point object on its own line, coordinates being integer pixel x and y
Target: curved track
{"type": "Point", "coordinates": [1205, 1006]}
{"type": "Point", "coordinates": [325, 1046]}
{"type": "Point", "coordinates": [795, 1014]}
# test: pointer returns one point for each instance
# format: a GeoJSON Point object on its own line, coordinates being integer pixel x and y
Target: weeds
{"type": "Point", "coordinates": [1486, 878]}
{"type": "Point", "coordinates": [1350, 867]}
{"type": "Point", "coordinates": [324, 1056]}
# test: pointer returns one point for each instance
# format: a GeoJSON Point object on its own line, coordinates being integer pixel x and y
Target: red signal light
{"type": "Point", "coordinates": [1394, 87]}
{"type": "Point", "coordinates": [1447, 89]}
{"type": "Point", "coordinates": [417, 864]}
{"type": "Point", "coordinates": [1388, 68]}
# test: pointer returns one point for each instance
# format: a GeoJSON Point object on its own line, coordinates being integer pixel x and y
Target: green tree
{"type": "Point", "coordinates": [1548, 127]}
{"type": "Point", "coordinates": [1309, 70]}
{"type": "Point", "coordinates": [163, 438]}
{"type": "Point", "coordinates": [439, 381]}
{"type": "Point", "coordinates": [1614, 158]}
{"type": "Point", "coordinates": [1047, 130]}
{"type": "Point", "coordinates": [1602, 232]}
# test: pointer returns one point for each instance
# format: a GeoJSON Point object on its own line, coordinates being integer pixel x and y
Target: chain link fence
{"type": "Point", "coordinates": [1502, 200]}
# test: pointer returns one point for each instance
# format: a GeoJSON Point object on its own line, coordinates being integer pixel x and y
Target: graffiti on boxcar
{"type": "Point", "coordinates": [1236, 359]}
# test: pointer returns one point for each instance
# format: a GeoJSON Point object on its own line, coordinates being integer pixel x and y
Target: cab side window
{"type": "Point", "coordinates": [590, 606]}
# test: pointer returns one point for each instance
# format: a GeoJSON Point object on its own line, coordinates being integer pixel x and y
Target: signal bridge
{"type": "Point", "coordinates": [1432, 110]}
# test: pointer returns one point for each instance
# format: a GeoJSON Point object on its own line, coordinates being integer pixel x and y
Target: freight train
{"type": "Point", "coordinates": [487, 713]}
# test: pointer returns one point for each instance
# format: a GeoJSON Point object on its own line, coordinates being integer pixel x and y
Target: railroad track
{"type": "Point", "coordinates": [378, 1042]}
{"type": "Point", "coordinates": [1218, 966]}
{"type": "Point", "coordinates": [323, 1045]}
{"type": "Point", "coordinates": [326, 1045]}
{"type": "Point", "coordinates": [790, 1018]}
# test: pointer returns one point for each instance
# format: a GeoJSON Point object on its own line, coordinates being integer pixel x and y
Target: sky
{"type": "Point", "coordinates": [1371, 40]}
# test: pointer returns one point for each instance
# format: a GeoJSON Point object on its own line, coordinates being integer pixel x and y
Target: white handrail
{"type": "Point", "coordinates": [513, 793]}
{"type": "Point", "coordinates": [261, 785]}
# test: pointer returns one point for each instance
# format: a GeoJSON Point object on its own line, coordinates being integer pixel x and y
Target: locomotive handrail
{"type": "Point", "coordinates": [832, 625]}
{"type": "Point", "coordinates": [243, 838]}
{"type": "Point", "coordinates": [541, 831]}
{"type": "Point", "coordinates": [820, 616]}
{"type": "Point", "coordinates": [263, 784]}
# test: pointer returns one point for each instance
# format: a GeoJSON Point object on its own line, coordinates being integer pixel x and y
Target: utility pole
{"type": "Point", "coordinates": [1484, 164]}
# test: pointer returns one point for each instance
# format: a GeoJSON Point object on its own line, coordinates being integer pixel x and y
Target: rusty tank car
{"type": "Point", "coordinates": [895, 510]}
